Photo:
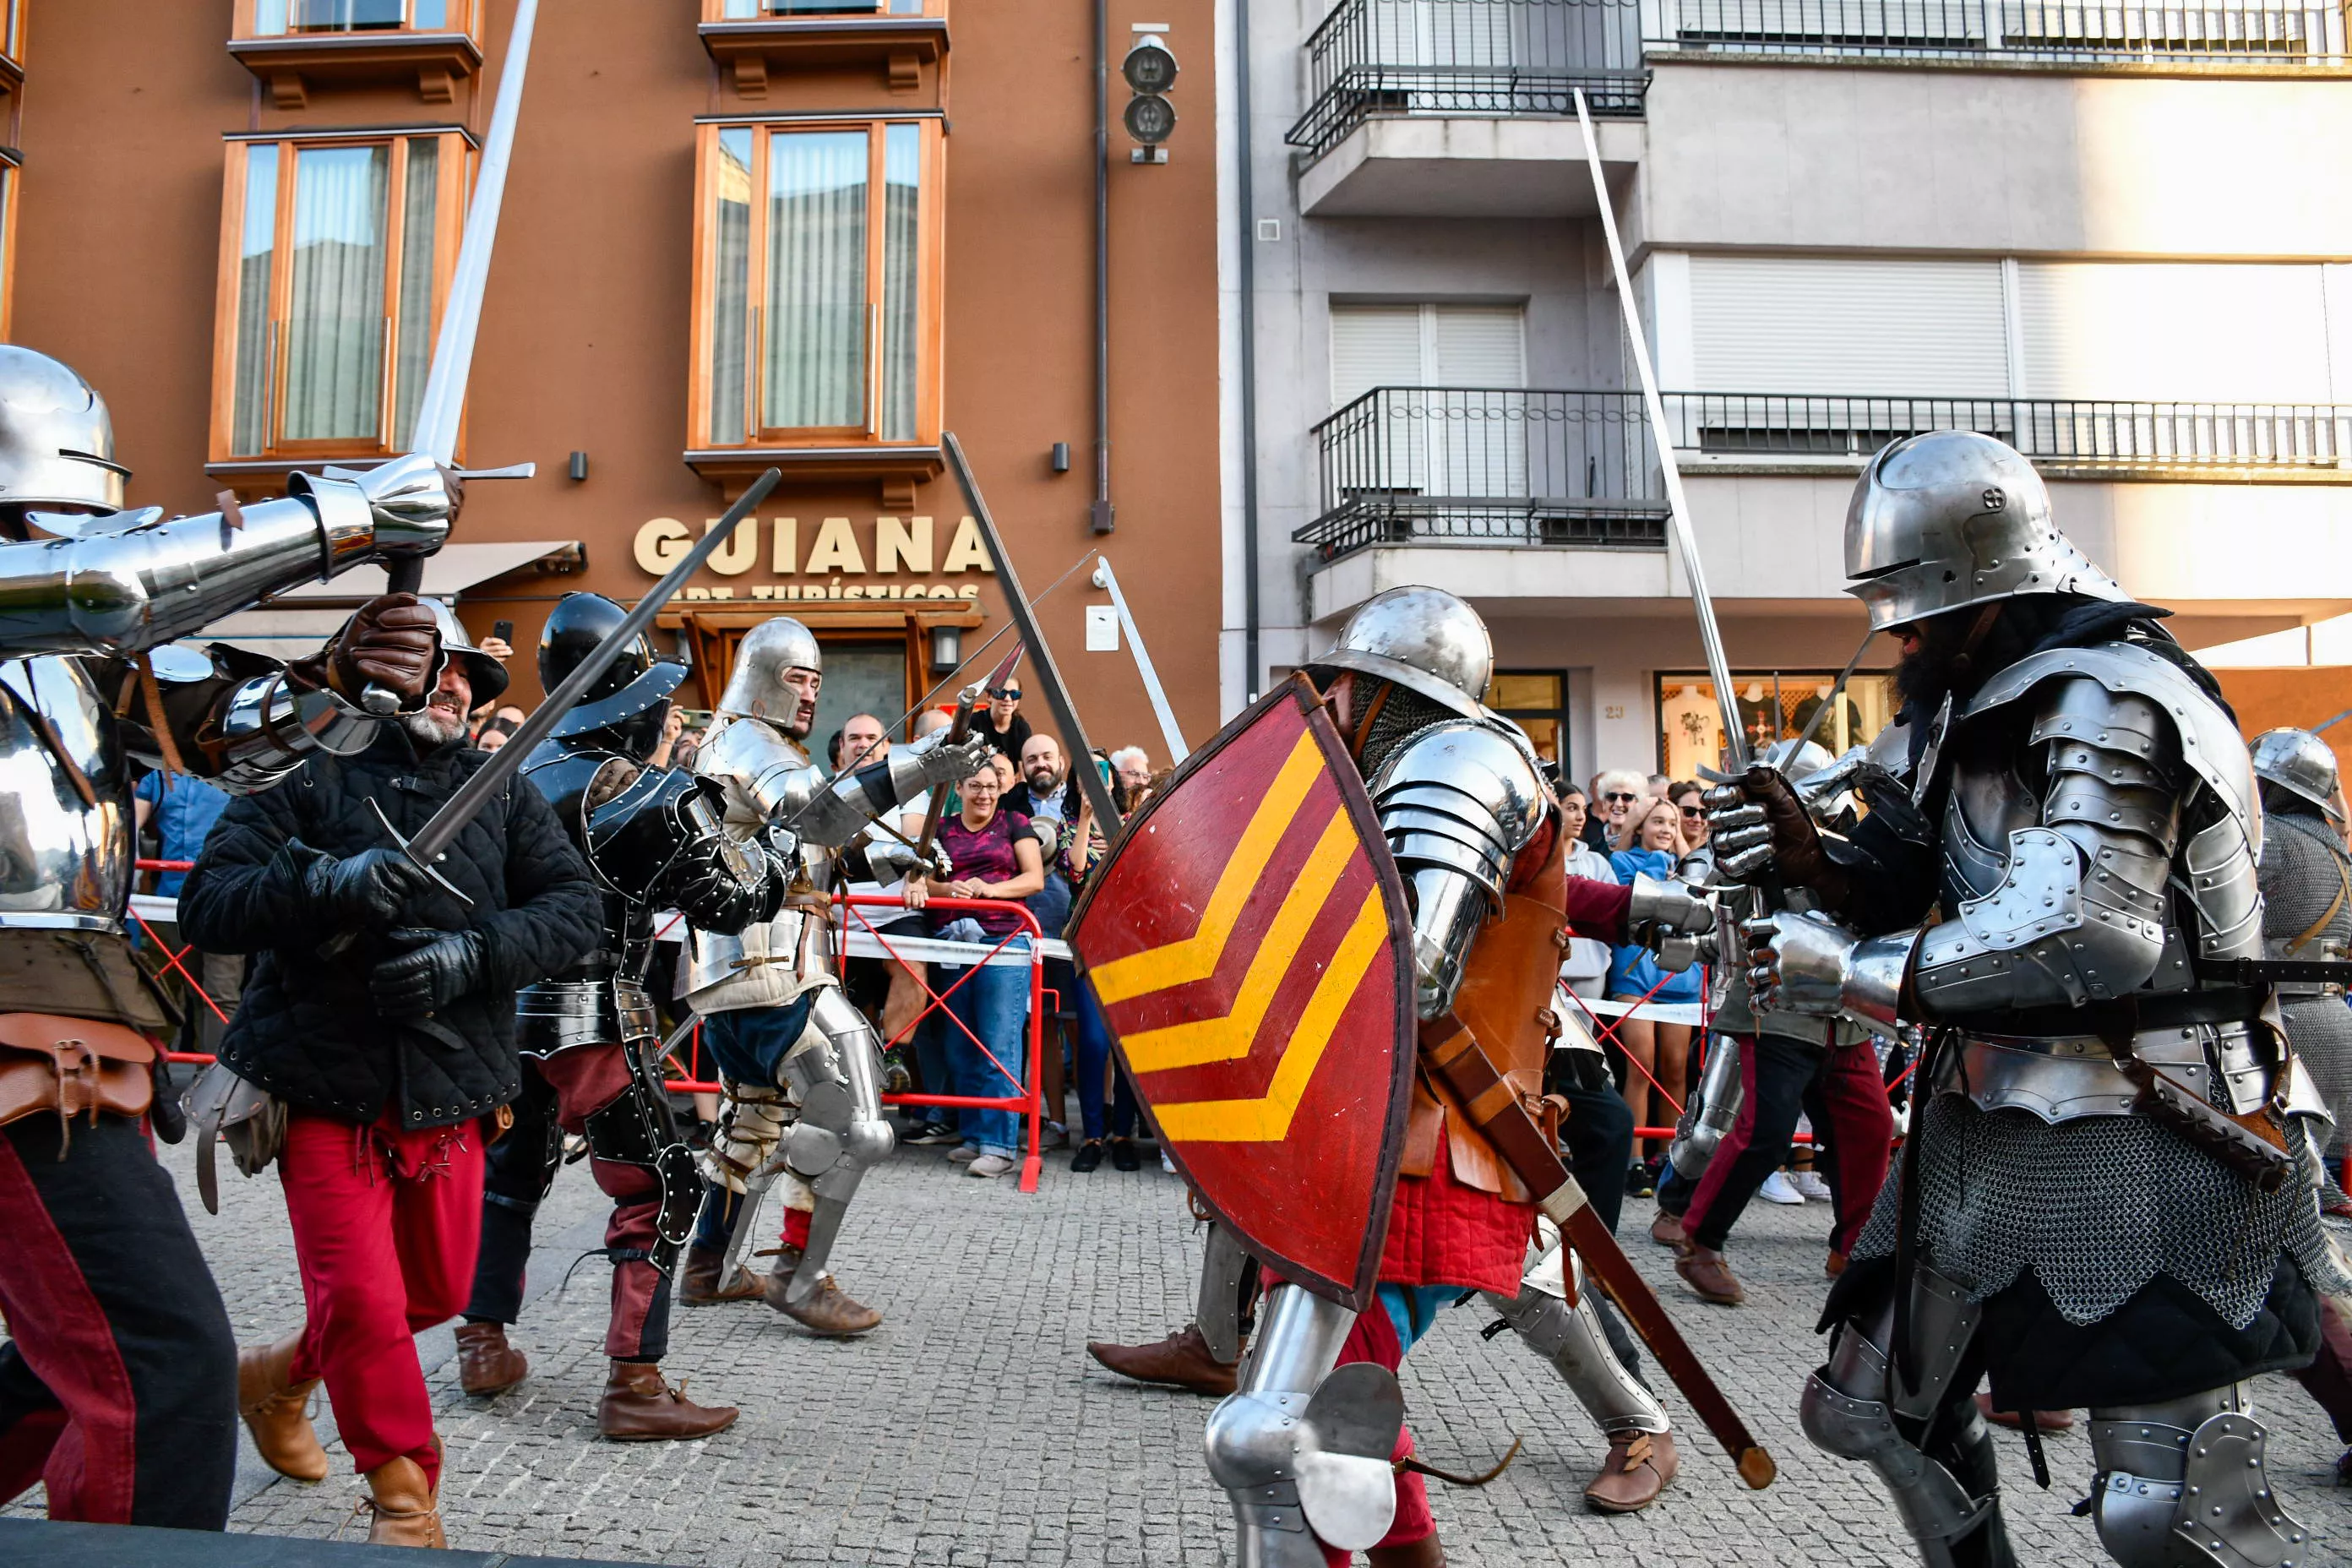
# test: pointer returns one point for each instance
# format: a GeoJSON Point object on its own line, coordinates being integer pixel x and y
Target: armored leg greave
{"type": "Point", "coordinates": [835, 1073]}
{"type": "Point", "coordinates": [1927, 1442]}
{"type": "Point", "coordinates": [1228, 1285]}
{"type": "Point", "coordinates": [2183, 1484]}
{"type": "Point", "coordinates": [517, 1171]}
{"type": "Point", "coordinates": [1576, 1344]}
{"type": "Point", "coordinates": [1303, 1450]}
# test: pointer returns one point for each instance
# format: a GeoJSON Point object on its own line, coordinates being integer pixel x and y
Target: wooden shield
{"type": "Point", "coordinates": [1248, 942]}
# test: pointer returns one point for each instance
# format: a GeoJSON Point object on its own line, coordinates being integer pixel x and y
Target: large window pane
{"type": "Point", "coordinates": [730, 287]}
{"type": "Point", "coordinates": [814, 363]}
{"type": "Point", "coordinates": [257, 255]}
{"type": "Point", "coordinates": [902, 181]}
{"type": "Point", "coordinates": [429, 16]}
{"type": "Point", "coordinates": [268, 17]}
{"type": "Point", "coordinates": [348, 15]}
{"type": "Point", "coordinates": [419, 234]}
{"type": "Point", "coordinates": [335, 326]}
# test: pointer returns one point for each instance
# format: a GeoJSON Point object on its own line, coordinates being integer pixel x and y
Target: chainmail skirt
{"type": "Point", "coordinates": [2098, 1207]}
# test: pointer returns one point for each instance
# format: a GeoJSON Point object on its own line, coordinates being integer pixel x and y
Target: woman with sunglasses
{"type": "Point", "coordinates": [1000, 720]}
{"type": "Point", "coordinates": [1651, 843]}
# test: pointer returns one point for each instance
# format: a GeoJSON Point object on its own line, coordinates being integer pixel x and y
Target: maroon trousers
{"type": "Point", "coordinates": [386, 1225]}
{"type": "Point", "coordinates": [1782, 1077]}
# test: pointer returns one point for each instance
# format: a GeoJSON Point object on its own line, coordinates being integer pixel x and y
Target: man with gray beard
{"type": "Point", "coordinates": [393, 1058]}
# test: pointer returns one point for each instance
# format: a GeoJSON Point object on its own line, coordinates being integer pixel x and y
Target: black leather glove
{"type": "Point", "coordinates": [366, 891]}
{"type": "Point", "coordinates": [438, 968]}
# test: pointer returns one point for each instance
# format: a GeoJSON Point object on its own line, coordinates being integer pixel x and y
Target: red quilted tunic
{"type": "Point", "coordinates": [1443, 1232]}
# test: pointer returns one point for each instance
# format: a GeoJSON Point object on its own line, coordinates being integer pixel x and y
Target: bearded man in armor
{"type": "Point", "coordinates": [1476, 834]}
{"type": "Point", "coordinates": [785, 1036]}
{"type": "Point", "coordinates": [2109, 1200]}
{"type": "Point", "coordinates": [121, 1383]}
{"type": "Point", "coordinates": [653, 840]}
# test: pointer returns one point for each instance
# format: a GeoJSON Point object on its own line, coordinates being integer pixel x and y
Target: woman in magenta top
{"type": "Point", "coordinates": [991, 855]}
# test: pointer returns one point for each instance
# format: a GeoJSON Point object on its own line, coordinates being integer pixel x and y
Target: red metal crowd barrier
{"type": "Point", "coordinates": [689, 1079]}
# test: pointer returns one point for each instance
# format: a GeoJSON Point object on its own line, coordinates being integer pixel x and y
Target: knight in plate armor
{"type": "Point", "coordinates": [1475, 832]}
{"type": "Point", "coordinates": [2108, 1199]}
{"type": "Point", "coordinates": [653, 839]}
{"type": "Point", "coordinates": [2306, 881]}
{"type": "Point", "coordinates": [1763, 1072]}
{"type": "Point", "coordinates": [131, 1419]}
{"type": "Point", "coordinates": [803, 1107]}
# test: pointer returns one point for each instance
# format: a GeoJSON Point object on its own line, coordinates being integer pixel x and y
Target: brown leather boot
{"type": "Point", "coordinates": [1641, 1465]}
{"type": "Point", "coordinates": [832, 1311]}
{"type": "Point", "coordinates": [487, 1364]}
{"type": "Point", "coordinates": [1181, 1361]}
{"type": "Point", "coordinates": [1708, 1272]}
{"type": "Point", "coordinates": [698, 1281]}
{"type": "Point", "coordinates": [276, 1410]}
{"type": "Point", "coordinates": [1666, 1230]}
{"type": "Point", "coordinates": [407, 1512]}
{"type": "Point", "coordinates": [639, 1406]}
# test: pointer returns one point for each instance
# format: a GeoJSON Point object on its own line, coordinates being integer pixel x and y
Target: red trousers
{"type": "Point", "coordinates": [386, 1222]}
{"type": "Point", "coordinates": [1782, 1078]}
{"type": "Point", "coordinates": [1374, 1338]}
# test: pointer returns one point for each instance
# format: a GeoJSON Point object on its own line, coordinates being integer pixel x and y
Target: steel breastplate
{"type": "Point", "coordinates": [559, 1014]}
{"type": "Point", "coordinates": [65, 861]}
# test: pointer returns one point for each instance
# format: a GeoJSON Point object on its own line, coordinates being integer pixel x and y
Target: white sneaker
{"type": "Point", "coordinates": [1166, 1163]}
{"type": "Point", "coordinates": [1776, 1190]}
{"type": "Point", "coordinates": [1813, 1184]}
{"type": "Point", "coordinates": [990, 1165]}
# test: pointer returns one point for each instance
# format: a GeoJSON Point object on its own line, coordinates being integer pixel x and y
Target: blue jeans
{"type": "Point", "coordinates": [931, 1065]}
{"type": "Point", "coordinates": [1093, 1064]}
{"type": "Point", "coordinates": [750, 1045]}
{"type": "Point", "coordinates": [992, 1002]}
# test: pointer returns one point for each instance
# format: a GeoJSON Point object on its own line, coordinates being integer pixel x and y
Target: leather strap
{"type": "Point", "coordinates": [2343, 886]}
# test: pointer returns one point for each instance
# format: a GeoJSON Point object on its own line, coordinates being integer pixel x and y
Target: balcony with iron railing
{"type": "Point", "coordinates": [294, 47]}
{"type": "Point", "coordinates": [1486, 466]}
{"type": "Point", "coordinates": [1399, 59]}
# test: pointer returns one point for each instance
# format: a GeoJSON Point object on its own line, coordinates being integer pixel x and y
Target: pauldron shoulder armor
{"type": "Point", "coordinates": [1461, 796]}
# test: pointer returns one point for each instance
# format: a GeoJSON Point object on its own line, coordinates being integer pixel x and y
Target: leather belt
{"type": "Point", "coordinates": [2153, 1010]}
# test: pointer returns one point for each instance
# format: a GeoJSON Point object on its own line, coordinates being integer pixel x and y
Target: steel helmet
{"type": "Point", "coordinates": [2299, 762]}
{"type": "Point", "coordinates": [56, 440]}
{"type": "Point", "coordinates": [766, 652]}
{"type": "Point", "coordinates": [1951, 518]}
{"type": "Point", "coordinates": [485, 675]}
{"type": "Point", "coordinates": [635, 683]}
{"type": "Point", "coordinates": [1422, 638]}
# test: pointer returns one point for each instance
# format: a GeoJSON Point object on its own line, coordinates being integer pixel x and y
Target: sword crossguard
{"type": "Point", "coordinates": [415, 860]}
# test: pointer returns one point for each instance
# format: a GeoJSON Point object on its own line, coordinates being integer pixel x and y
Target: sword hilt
{"type": "Point", "coordinates": [341, 942]}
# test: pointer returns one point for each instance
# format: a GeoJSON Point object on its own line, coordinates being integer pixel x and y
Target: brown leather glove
{"type": "Point", "coordinates": [1758, 824]}
{"type": "Point", "coordinates": [391, 641]}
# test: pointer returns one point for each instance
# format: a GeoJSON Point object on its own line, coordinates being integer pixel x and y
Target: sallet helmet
{"type": "Point", "coordinates": [2299, 762]}
{"type": "Point", "coordinates": [485, 675]}
{"type": "Point", "coordinates": [1951, 518]}
{"type": "Point", "coordinates": [56, 440]}
{"type": "Point", "coordinates": [756, 688]}
{"type": "Point", "coordinates": [1422, 638]}
{"type": "Point", "coordinates": [630, 697]}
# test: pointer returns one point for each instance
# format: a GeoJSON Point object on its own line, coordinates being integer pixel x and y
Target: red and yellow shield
{"type": "Point", "coordinates": [1248, 943]}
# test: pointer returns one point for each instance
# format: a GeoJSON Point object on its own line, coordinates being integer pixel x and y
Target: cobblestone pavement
{"type": "Point", "coordinates": [972, 1429]}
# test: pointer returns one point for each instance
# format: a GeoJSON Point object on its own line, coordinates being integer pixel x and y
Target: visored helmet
{"type": "Point", "coordinates": [634, 685]}
{"type": "Point", "coordinates": [1951, 518]}
{"type": "Point", "coordinates": [56, 440]}
{"type": "Point", "coordinates": [485, 675]}
{"type": "Point", "coordinates": [769, 649]}
{"type": "Point", "coordinates": [1422, 638]}
{"type": "Point", "coordinates": [2299, 762]}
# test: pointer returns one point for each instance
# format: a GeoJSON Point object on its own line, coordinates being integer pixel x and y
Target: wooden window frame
{"type": "Point", "coordinates": [12, 184]}
{"type": "Point", "coordinates": [930, 214]}
{"type": "Point", "coordinates": [456, 151]}
{"type": "Point", "coordinates": [464, 18]}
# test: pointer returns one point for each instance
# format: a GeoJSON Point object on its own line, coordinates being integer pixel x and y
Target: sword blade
{"type": "Point", "coordinates": [1678, 523]}
{"type": "Point", "coordinates": [467, 803]}
{"type": "Point", "coordinates": [444, 399]}
{"type": "Point", "coordinates": [1049, 676]}
{"type": "Point", "coordinates": [1607, 1263]}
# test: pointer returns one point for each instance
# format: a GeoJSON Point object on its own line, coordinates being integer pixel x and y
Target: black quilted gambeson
{"type": "Point", "coordinates": [307, 1029]}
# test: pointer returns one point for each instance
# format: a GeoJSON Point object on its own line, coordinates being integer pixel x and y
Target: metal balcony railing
{"type": "Point", "coordinates": [1488, 465]}
{"type": "Point", "coordinates": [1398, 58]}
{"type": "Point", "coordinates": [2155, 439]}
{"type": "Point", "coordinates": [1406, 465]}
{"type": "Point", "coordinates": [2055, 31]}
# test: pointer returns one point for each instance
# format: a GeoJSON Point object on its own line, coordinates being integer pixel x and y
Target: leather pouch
{"type": "Point", "coordinates": [72, 1067]}
{"type": "Point", "coordinates": [225, 1107]}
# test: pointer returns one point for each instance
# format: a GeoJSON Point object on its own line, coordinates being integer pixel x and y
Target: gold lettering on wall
{"type": "Point", "coordinates": [905, 546]}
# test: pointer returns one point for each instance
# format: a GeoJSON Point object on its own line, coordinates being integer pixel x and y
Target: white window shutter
{"type": "Point", "coordinates": [2168, 332]}
{"type": "Point", "coordinates": [1841, 327]}
{"type": "Point", "coordinates": [1480, 345]}
{"type": "Point", "coordinates": [1375, 345]}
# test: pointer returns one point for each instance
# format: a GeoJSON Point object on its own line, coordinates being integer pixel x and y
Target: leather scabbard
{"type": "Point", "coordinates": [1452, 1054]}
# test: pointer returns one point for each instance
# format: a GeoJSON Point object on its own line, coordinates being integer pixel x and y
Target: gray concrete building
{"type": "Point", "coordinates": [2115, 236]}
